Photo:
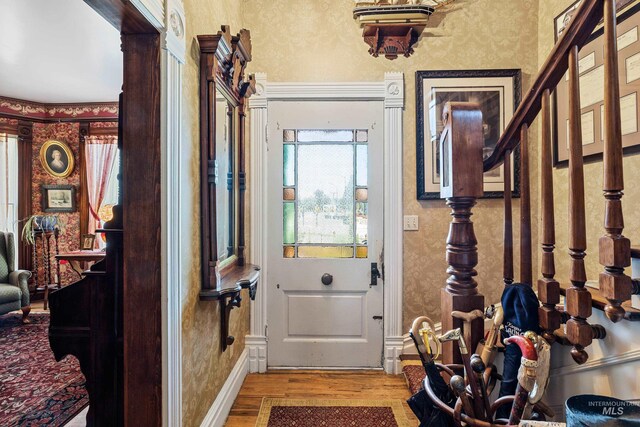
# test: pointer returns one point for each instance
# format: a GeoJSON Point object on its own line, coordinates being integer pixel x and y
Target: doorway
{"type": "Point", "coordinates": [325, 234]}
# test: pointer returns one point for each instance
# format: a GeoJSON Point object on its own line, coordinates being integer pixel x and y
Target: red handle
{"type": "Point", "coordinates": [526, 346]}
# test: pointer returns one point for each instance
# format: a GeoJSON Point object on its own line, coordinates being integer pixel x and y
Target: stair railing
{"type": "Point", "coordinates": [459, 181]}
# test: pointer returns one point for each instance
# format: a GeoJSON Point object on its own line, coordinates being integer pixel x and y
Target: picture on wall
{"type": "Point", "coordinates": [58, 198]}
{"type": "Point", "coordinates": [592, 81]}
{"type": "Point", "coordinates": [56, 158]}
{"type": "Point", "coordinates": [561, 22]}
{"type": "Point", "coordinates": [496, 91]}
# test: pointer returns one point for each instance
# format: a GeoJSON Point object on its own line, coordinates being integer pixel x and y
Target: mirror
{"type": "Point", "coordinates": [225, 178]}
{"type": "Point", "coordinates": [223, 94]}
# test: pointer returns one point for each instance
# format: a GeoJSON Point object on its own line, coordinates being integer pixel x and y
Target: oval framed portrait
{"type": "Point", "coordinates": [56, 158]}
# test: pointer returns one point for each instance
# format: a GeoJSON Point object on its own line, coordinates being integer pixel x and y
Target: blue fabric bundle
{"type": "Point", "coordinates": [520, 305]}
{"type": "Point", "coordinates": [588, 410]}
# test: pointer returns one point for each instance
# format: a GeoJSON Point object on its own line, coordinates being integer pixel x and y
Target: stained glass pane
{"type": "Point", "coordinates": [325, 251]}
{"type": "Point", "coordinates": [289, 135]}
{"type": "Point", "coordinates": [288, 193]}
{"type": "Point", "coordinates": [362, 136]}
{"type": "Point", "coordinates": [289, 169]}
{"type": "Point", "coordinates": [289, 252]}
{"type": "Point", "coordinates": [362, 252]}
{"type": "Point", "coordinates": [325, 135]}
{"type": "Point", "coordinates": [325, 193]}
{"type": "Point", "coordinates": [362, 165]}
{"type": "Point", "coordinates": [362, 194]}
{"type": "Point", "coordinates": [289, 222]}
{"type": "Point", "coordinates": [361, 223]}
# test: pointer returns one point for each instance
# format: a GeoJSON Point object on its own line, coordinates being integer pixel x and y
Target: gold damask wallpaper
{"type": "Point", "coordinates": [319, 41]}
{"type": "Point", "coordinates": [204, 368]}
{"type": "Point", "coordinates": [593, 181]}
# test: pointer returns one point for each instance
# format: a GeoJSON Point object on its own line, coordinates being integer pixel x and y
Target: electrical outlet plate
{"type": "Point", "coordinates": [411, 222]}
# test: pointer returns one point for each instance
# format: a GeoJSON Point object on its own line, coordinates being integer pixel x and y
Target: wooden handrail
{"type": "Point", "coordinates": [580, 29]}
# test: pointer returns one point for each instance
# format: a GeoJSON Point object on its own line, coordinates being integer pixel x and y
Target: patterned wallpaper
{"type": "Point", "coordinates": [205, 368]}
{"type": "Point", "coordinates": [593, 181]}
{"type": "Point", "coordinates": [319, 41]}
{"type": "Point", "coordinates": [69, 239]}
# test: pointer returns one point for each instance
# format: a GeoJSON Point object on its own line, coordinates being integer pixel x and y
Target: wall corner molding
{"type": "Point", "coordinates": [173, 39]}
{"type": "Point", "coordinates": [257, 349]}
{"type": "Point", "coordinates": [221, 407]}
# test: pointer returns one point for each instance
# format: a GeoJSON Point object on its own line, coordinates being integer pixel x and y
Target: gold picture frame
{"type": "Point", "coordinates": [57, 158]}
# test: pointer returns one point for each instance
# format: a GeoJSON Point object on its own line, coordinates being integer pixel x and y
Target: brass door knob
{"type": "Point", "coordinates": [327, 279]}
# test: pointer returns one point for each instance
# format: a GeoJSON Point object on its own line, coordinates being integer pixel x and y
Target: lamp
{"type": "Point", "coordinates": [392, 27]}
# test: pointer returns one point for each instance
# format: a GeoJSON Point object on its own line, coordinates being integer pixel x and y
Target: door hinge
{"type": "Point", "coordinates": [266, 333]}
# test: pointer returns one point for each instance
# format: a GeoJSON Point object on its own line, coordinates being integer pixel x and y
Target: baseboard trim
{"type": "Point", "coordinates": [257, 346]}
{"type": "Point", "coordinates": [393, 347]}
{"type": "Point", "coordinates": [607, 361]}
{"type": "Point", "coordinates": [221, 407]}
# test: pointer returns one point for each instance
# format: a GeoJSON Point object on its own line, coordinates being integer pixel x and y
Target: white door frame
{"type": "Point", "coordinates": [391, 92]}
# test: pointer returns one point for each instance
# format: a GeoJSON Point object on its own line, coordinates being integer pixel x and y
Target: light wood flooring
{"type": "Point", "coordinates": [295, 384]}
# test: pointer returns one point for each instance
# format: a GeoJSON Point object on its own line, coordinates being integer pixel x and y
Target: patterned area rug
{"type": "Point", "coordinates": [331, 413]}
{"type": "Point", "coordinates": [414, 375]}
{"type": "Point", "coordinates": [35, 390]}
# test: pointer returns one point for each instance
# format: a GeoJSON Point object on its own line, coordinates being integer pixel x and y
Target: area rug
{"type": "Point", "coordinates": [414, 375]}
{"type": "Point", "coordinates": [35, 390]}
{"type": "Point", "coordinates": [331, 413]}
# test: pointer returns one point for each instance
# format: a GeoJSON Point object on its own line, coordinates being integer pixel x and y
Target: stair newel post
{"type": "Point", "coordinates": [548, 286]}
{"type": "Point", "coordinates": [461, 174]}
{"type": "Point", "coordinates": [614, 248]}
{"type": "Point", "coordinates": [526, 275]}
{"type": "Point", "coordinates": [507, 263]}
{"type": "Point", "coordinates": [578, 301]}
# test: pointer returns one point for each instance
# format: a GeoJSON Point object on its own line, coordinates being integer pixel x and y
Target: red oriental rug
{"type": "Point", "coordinates": [331, 413]}
{"type": "Point", "coordinates": [35, 390]}
{"type": "Point", "coordinates": [414, 375]}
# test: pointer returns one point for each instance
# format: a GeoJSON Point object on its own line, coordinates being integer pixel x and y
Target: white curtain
{"type": "Point", "coordinates": [100, 153]}
{"type": "Point", "coordinates": [9, 185]}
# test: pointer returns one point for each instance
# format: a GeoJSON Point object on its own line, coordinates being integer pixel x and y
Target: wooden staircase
{"type": "Point", "coordinates": [461, 184]}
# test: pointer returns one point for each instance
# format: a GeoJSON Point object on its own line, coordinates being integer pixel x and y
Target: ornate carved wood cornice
{"type": "Point", "coordinates": [18, 108]}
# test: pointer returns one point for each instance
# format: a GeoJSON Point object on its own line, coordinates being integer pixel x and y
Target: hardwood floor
{"type": "Point", "coordinates": [295, 384]}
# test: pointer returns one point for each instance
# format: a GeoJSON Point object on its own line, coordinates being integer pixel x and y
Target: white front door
{"type": "Point", "coordinates": [9, 187]}
{"type": "Point", "coordinates": [325, 216]}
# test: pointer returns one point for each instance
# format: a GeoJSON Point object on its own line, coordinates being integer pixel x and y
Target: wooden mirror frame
{"type": "Point", "coordinates": [223, 59]}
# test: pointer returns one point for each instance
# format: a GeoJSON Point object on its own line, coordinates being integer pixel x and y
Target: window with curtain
{"type": "Point", "coordinates": [102, 159]}
{"type": "Point", "coordinates": [9, 185]}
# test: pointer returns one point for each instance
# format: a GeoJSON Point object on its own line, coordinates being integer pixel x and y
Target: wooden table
{"type": "Point", "coordinates": [78, 260]}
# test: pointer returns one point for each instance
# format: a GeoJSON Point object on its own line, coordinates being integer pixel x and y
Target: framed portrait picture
{"type": "Point", "coordinates": [87, 242]}
{"type": "Point", "coordinates": [56, 158]}
{"type": "Point", "coordinates": [591, 75]}
{"type": "Point", "coordinates": [58, 198]}
{"type": "Point", "coordinates": [497, 92]}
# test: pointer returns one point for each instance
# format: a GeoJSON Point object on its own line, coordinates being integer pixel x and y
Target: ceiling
{"type": "Point", "coordinates": [58, 51]}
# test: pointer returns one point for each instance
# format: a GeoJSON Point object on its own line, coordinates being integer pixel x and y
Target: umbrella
{"type": "Point", "coordinates": [425, 409]}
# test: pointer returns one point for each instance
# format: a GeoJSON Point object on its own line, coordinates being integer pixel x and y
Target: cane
{"type": "Point", "coordinates": [459, 390]}
{"type": "Point", "coordinates": [526, 376]}
{"type": "Point", "coordinates": [478, 367]}
{"type": "Point", "coordinates": [455, 335]}
{"type": "Point", "coordinates": [489, 350]}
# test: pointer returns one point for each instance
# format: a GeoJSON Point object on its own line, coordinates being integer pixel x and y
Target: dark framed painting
{"type": "Point", "coordinates": [591, 75]}
{"type": "Point", "coordinates": [58, 198]}
{"type": "Point", "coordinates": [56, 158]}
{"type": "Point", "coordinates": [497, 92]}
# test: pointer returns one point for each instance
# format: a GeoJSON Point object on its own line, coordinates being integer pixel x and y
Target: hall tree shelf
{"type": "Point", "coordinates": [223, 96]}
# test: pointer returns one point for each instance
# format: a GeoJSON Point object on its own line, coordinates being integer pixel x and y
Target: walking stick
{"type": "Point", "coordinates": [526, 376]}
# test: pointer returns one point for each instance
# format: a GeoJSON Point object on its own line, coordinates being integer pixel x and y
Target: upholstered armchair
{"type": "Point", "coordinates": [14, 291]}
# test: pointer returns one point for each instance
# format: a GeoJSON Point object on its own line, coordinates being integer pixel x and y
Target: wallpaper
{"type": "Point", "coordinates": [320, 41]}
{"type": "Point", "coordinates": [205, 367]}
{"type": "Point", "coordinates": [593, 172]}
{"type": "Point", "coordinates": [69, 239]}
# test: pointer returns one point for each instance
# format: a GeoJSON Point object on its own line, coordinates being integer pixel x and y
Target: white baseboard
{"type": "Point", "coordinates": [393, 347]}
{"type": "Point", "coordinates": [257, 346]}
{"type": "Point", "coordinates": [221, 407]}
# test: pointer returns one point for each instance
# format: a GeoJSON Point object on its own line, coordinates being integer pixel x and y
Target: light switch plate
{"type": "Point", "coordinates": [411, 222]}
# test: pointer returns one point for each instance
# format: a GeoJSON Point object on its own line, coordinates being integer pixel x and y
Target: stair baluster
{"type": "Point", "coordinates": [526, 275]}
{"type": "Point", "coordinates": [548, 286]}
{"type": "Point", "coordinates": [614, 248]}
{"type": "Point", "coordinates": [507, 263]}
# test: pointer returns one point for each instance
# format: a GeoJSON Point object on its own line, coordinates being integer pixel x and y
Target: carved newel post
{"type": "Point", "coordinates": [461, 146]}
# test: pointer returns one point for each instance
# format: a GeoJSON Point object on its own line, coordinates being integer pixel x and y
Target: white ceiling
{"type": "Point", "coordinates": [58, 51]}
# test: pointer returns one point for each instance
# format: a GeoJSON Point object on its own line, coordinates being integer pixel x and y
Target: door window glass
{"type": "Point", "coordinates": [325, 194]}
